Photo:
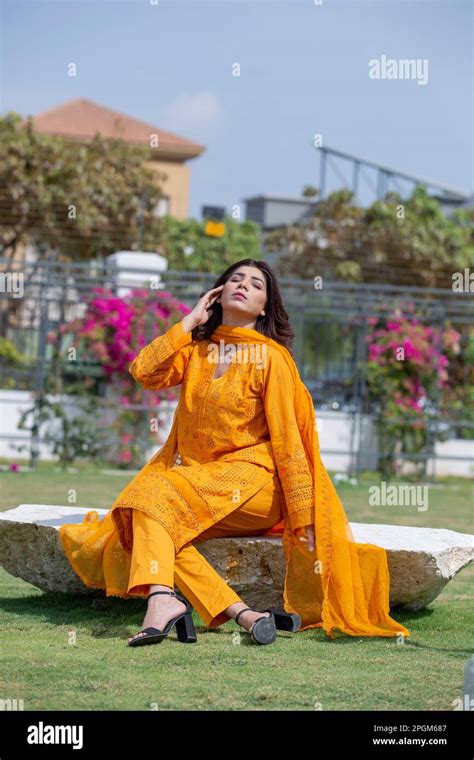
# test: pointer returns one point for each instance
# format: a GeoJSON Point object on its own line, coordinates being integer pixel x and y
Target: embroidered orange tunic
{"type": "Point", "coordinates": [224, 449]}
{"type": "Point", "coordinates": [223, 456]}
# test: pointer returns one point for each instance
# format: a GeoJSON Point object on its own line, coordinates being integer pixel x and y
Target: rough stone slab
{"type": "Point", "coordinates": [421, 560]}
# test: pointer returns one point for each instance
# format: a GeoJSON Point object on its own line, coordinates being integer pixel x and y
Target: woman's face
{"type": "Point", "coordinates": [244, 295]}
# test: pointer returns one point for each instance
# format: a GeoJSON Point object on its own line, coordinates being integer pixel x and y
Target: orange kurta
{"type": "Point", "coordinates": [221, 457]}
{"type": "Point", "coordinates": [223, 442]}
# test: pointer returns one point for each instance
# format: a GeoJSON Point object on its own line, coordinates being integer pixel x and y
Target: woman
{"type": "Point", "coordinates": [242, 458]}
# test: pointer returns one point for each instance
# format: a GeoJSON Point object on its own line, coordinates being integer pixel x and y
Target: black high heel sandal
{"type": "Point", "coordinates": [184, 626]}
{"type": "Point", "coordinates": [263, 630]}
{"type": "Point", "coordinates": [285, 621]}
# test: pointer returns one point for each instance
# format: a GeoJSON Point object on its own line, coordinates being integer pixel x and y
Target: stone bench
{"type": "Point", "coordinates": [421, 560]}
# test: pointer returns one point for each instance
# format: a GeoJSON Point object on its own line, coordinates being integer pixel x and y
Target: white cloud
{"type": "Point", "coordinates": [193, 111]}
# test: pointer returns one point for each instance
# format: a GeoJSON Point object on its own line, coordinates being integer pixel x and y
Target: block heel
{"type": "Point", "coordinates": [185, 629]}
{"type": "Point", "coordinates": [285, 621]}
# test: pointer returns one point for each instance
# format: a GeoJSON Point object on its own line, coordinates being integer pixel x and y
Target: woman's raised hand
{"type": "Point", "coordinates": [202, 311]}
{"type": "Point", "coordinates": [306, 535]}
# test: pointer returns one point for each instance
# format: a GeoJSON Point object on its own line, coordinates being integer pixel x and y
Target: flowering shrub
{"type": "Point", "coordinates": [112, 332]}
{"type": "Point", "coordinates": [407, 374]}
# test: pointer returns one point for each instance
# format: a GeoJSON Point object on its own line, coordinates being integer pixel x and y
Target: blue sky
{"type": "Point", "coordinates": [304, 70]}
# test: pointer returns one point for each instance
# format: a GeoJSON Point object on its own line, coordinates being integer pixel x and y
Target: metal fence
{"type": "Point", "coordinates": [330, 324]}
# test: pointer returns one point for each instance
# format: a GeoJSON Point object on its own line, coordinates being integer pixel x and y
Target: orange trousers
{"type": "Point", "coordinates": [155, 561]}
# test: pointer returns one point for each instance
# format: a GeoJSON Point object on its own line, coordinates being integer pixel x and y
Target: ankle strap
{"type": "Point", "coordinates": [171, 593]}
{"type": "Point", "coordinates": [240, 613]}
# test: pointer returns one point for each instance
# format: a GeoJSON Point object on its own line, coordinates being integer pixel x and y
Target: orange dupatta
{"type": "Point", "coordinates": [341, 584]}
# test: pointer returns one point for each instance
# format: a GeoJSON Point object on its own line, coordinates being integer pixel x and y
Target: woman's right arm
{"type": "Point", "coordinates": [162, 363]}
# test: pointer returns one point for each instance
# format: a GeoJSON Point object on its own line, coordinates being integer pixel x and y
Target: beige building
{"type": "Point", "coordinates": [81, 119]}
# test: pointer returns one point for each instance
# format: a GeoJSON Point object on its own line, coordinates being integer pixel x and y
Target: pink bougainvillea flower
{"type": "Point", "coordinates": [375, 349]}
{"type": "Point", "coordinates": [425, 365]}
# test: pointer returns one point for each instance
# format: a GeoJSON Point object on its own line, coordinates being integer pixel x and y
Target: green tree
{"type": "Point", "coordinates": [187, 246]}
{"type": "Point", "coordinates": [71, 201]}
{"type": "Point", "coordinates": [77, 200]}
{"type": "Point", "coordinates": [394, 241]}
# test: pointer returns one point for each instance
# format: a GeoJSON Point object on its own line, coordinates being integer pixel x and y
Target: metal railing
{"type": "Point", "coordinates": [331, 328]}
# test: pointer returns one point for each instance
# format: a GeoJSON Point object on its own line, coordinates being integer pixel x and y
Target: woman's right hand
{"type": "Point", "coordinates": [202, 311]}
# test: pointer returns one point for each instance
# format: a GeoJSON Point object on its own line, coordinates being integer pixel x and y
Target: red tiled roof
{"type": "Point", "coordinates": [81, 119]}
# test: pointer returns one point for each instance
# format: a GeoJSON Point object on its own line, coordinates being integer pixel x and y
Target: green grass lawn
{"type": "Point", "coordinates": [61, 652]}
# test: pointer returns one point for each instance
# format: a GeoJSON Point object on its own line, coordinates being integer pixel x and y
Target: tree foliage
{"type": "Point", "coordinates": [79, 200]}
{"type": "Point", "coordinates": [187, 246]}
{"type": "Point", "coordinates": [394, 241]}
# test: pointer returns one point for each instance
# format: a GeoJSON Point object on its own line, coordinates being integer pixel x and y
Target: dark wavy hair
{"type": "Point", "coordinates": [274, 323]}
